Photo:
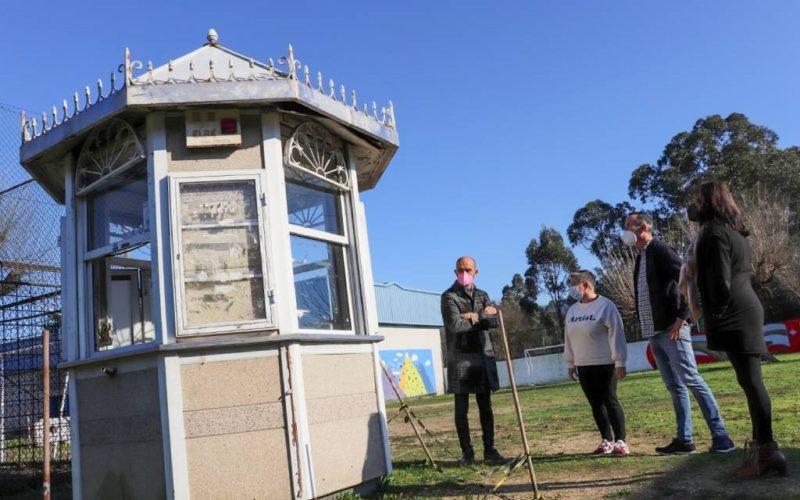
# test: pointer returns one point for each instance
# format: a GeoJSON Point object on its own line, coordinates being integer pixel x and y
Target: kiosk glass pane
{"type": "Point", "coordinates": [314, 208]}
{"type": "Point", "coordinates": [118, 211]}
{"type": "Point", "coordinates": [320, 284]}
{"type": "Point", "coordinates": [122, 299]}
{"type": "Point", "coordinates": [221, 253]}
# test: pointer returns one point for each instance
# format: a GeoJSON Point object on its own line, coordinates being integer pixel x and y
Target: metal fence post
{"type": "Point", "coordinates": [46, 416]}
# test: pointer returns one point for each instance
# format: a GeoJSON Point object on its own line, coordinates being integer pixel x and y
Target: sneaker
{"type": "Point", "coordinates": [677, 447]}
{"type": "Point", "coordinates": [493, 457]}
{"type": "Point", "coordinates": [620, 448]}
{"type": "Point", "coordinates": [722, 444]}
{"type": "Point", "coordinates": [604, 448]}
{"type": "Point", "coordinates": [468, 458]}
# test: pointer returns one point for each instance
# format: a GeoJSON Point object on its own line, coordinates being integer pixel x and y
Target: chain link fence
{"type": "Point", "coordinates": [30, 302]}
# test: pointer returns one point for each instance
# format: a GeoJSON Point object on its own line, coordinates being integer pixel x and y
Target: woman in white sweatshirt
{"type": "Point", "coordinates": [595, 348]}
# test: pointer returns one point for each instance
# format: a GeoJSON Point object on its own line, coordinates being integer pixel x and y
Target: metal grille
{"type": "Point", "coordinates": [30, 302]}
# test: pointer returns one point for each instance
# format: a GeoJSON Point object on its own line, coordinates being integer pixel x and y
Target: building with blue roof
{"type": "Point", "coordinates": [410, 321]}
{"type": "Point", "coordinates": [398, 305]}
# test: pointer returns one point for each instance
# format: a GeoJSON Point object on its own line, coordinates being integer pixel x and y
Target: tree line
{"type": "Point", "coordinates": [765, 180]}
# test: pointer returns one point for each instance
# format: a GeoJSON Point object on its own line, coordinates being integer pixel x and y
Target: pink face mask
{"type": "Point", "coordinates": [464, 278]}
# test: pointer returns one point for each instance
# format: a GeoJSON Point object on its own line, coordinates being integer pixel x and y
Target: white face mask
{"type": "Point", "coordinates": [629, 238]}
{"type": "Point", "coordinates": [575, 292]}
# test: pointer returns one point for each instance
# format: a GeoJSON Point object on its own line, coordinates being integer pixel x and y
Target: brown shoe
{"type": "Point", "coordinates": [761, 460]}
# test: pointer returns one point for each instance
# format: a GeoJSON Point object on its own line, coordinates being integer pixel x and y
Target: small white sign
{"type": "Point", "coordinates": [213, 127]}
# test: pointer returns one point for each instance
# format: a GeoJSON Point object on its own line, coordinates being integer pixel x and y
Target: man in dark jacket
{"type": "Point", "coordinates": [471, 369]}
{"type": "Point", "coordinates": [664, 318]}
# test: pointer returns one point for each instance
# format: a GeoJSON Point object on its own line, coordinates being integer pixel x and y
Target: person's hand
{"type": "Point", "coordinates": [572, 373]}
{"type": "Point", "coordinates": [620, 372]}
{"type": "Point", "coordinates": [489, 310]}
{"type": "Point", "coordinates": [675, 329]}
{"type": "Point", "coordinates": [471, 317]}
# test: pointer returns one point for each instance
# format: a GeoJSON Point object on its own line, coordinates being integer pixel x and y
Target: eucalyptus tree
{"type": "Point", "coordinates": [596, 226]}
{"type": "Point", "coordinates": [550, 262]}
{"type": "Point", "coordinates": [732, 149]}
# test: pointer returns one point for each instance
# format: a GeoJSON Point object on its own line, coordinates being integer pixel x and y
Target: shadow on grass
{"type": "Point", "coordinates": [701, 476]}
{"type": "Point", "coordinates": [24, 481]}
{"type": "Point", "coordinates": [584, 485]}
{"type": "Point", "coordinates": [537, 459]}
{"type": "Point", "coordinates": [712, 476]}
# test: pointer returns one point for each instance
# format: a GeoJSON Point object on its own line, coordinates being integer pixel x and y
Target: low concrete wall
{"type": "Point", "coordinates": [551, 368]}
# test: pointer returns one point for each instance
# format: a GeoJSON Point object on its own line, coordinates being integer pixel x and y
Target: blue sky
{"type": "Point", "coordinates": [511, 115]}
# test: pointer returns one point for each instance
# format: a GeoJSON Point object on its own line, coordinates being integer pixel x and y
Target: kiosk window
{"type": "Point", "coordinates": [320, 284]}
{"type": "Point", "coordinates": [220, 259]}
{"type": "Point", "coordinates": [317, 182]}
{"type": "Point", "coordinates": [121, 300]}
{"type": "Point", "coordinates": [118, 259]}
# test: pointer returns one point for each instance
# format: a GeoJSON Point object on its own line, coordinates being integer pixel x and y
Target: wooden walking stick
{"type": "Point", "coordinates": [513, 384]}
{"type": "Point", "coordinates": [409, 416]}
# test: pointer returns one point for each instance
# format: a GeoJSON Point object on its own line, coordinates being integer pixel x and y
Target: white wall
{"type": "Point", "coordinates": [551, 368]}
{"type": "Point", "coordinates": [409, 337]}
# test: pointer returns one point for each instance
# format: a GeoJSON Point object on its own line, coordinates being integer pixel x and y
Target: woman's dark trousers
{"type": "Point", "coordinates": [599, 384]}
{"type": "Point", "coordinates": [748, 373]}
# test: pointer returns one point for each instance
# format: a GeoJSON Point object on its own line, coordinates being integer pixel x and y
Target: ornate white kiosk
{"type": "Point", "coordinates": [217, 289]}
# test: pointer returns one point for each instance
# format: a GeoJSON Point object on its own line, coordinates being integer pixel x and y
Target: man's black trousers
{"type": "Point", "coordinates": [484, 400]}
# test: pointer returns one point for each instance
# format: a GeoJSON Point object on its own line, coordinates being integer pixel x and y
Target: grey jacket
{"type": "Point", "coordinates": [471, 367]}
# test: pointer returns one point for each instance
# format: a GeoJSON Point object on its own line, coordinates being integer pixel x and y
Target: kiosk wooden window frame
{"type": "Point", "coordinates": [234, 325]}
{"type": "Point", "coordinates": [115, 253]}
{"type": "Point", "coordinates": [336, 181]}
{"type": "Point", "coordinates": [342, 243]}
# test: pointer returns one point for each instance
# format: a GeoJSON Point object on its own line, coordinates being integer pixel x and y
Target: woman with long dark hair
{"type": "Point", "coordinates": [733, 314]}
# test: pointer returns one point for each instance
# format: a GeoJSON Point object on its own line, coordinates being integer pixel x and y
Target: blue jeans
{"type": "Point", "coordinates": [678, 368]}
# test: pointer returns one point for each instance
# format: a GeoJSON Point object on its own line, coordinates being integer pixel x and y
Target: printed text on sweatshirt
{"type": "Point", "coordinates": [594, 334]}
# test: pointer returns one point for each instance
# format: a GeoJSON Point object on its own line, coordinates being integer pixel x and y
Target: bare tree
{"type": "Point", "coordinates": [615, 281]}
{"type": "Point", "coordinates": [776, 258]}
{"type": "Point", "coordinates": [790, 274]}
{"type": "Point", "coordinates": [9, 224]}
{"type": "Point", "coordinates": [521, 330]}
{"type": "Point", "coordinates": [767, 219]}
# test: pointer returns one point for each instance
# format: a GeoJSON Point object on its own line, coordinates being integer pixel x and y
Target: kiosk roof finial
{"type": "Point", "coordinates": [212, 36]}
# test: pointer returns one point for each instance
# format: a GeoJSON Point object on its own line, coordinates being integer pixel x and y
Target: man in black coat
{"type": "Point", "coordinates": [664, 318]}
{"type": "Point", "coordinates": [468, 315]}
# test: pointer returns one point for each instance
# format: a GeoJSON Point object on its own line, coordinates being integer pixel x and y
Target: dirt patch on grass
{"type": "Point", "coordinates": [565, 467]}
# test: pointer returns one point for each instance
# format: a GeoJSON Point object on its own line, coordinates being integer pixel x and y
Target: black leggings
{"type": "Point", "coordinates": [599, 383]}
{"type": "Point", "coordinates": [484, 400]}
{"type": "Point", "coordinates": [748, 373]}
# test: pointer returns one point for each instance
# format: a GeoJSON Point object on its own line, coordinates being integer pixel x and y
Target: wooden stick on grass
{"type": "Point", "coordinates": [409, 416]}
{"type": "Point", "coordinates": [513, 384]}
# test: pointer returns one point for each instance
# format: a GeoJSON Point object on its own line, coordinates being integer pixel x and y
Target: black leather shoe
{"type": "Point", "coordinates": [468, 458]}
{"type": "Point", "coordinates": [493, 457]}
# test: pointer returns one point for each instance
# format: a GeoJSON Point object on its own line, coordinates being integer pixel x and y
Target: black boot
{"type": "Point", "coordinates": [761, 460]}
{"type": "Point", "coordinates": [493, 457]}
{"type": "Point", "coordinates": [468, 456]}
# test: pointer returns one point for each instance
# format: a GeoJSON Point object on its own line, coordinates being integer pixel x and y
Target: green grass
{"type": "Point", "coordinates": [22, 450]}
{"type": "Point", "coordinates": [561, 431]}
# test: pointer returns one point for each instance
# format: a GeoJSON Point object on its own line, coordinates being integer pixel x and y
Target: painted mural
{"type": "Point", "coordinates": [412, 371]}
{"type": "Point", "coordinates": [778, 337]}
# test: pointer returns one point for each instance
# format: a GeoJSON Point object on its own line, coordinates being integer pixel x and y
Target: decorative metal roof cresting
{"type": "Point", "coordinates": [239, 68]}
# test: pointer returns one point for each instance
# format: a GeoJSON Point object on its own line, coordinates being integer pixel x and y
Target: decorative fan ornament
{"type": "Point", "coordinates": [313, 150]}
{"type": "Point", "coordinates": [111, 148]}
